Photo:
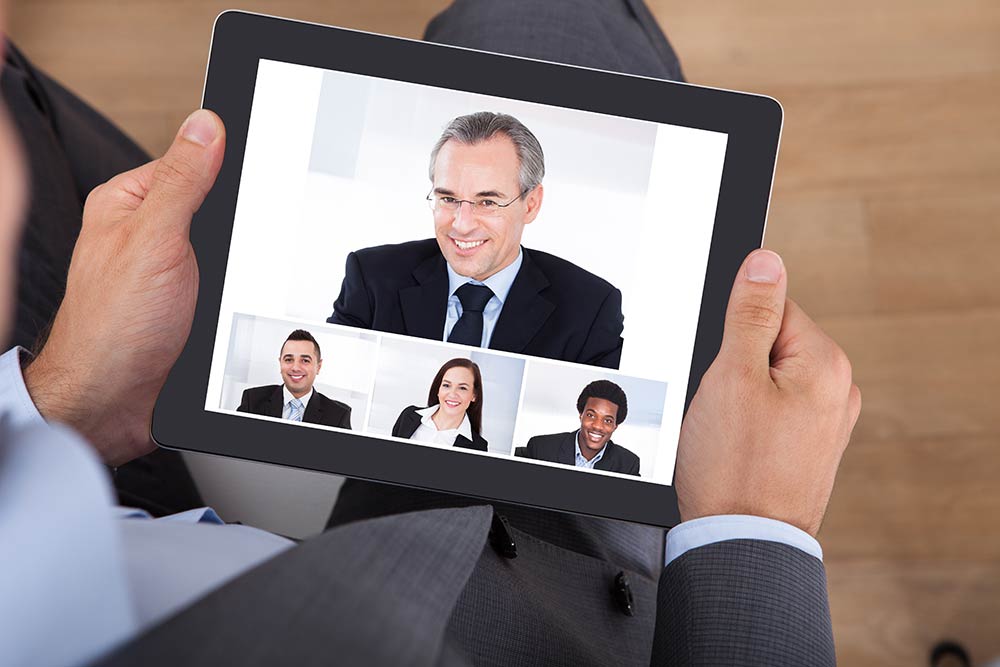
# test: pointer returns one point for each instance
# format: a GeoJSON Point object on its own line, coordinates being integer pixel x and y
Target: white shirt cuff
{"type": "Point", "coordinates": [15, 402]}
{"type": "Point", "coordinates": [711, 529]}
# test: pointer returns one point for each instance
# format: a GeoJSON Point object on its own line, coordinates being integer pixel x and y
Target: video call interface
{"type": "Point", "coordinates": [456, 270]}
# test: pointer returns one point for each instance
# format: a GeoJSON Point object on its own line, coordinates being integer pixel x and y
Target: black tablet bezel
{"type": "Point", "coordinates": [240, 40]}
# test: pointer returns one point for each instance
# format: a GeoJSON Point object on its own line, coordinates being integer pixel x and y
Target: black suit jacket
{"type": "Point", "coordinates": [561, 448]}
{"type": "Point", "coordinates": [270, 401]}
{"type": "Point", "coordinates": [409, 420]}
{"type": "Point", "coordinates": [554, 309]}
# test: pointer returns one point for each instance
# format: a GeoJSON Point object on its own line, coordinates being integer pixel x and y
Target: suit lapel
{"type": "Point", "coordinates": [525, 310]}
{"type": "Point", "coordinates": [275, 404]}
{"type": "Point", "coordinates": [410, 424]}
{"type": "Point", "coordinates": [424, 305]}
{"type": "Point", "coordinates": [567, 450]}
{"type": "Point", "coordinates": [314, 411]}
{"type": "Point", "coordinates": [607, 461]}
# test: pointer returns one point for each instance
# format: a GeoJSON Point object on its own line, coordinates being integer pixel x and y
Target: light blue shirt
{"type": "Point", "coordinates": [581, 460]}
{"type": "Point", "coordinates": [80, 575]}
{"type": "Point", "coordinates": [286, 411]}
{"type": "Point", "coordinates": [500, 283]}
{"type": "Point", "coordinates": [92, 575]}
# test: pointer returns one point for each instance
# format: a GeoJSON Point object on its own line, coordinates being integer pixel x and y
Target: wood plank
{"type": "Point", "coordinates": [848, 255]}
{"type": "Point", "coordinates": [889, 614]}
{"type": "Point", "coordinates": [768, 43]}
{"type": "Point", "coordinates": [914, 138]}
{"type": "Point", "coordinates": [916, 499]}
{"type": "Point", "coordinates": [933, 375]}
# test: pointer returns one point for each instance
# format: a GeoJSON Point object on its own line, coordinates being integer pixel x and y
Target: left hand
{"type": "Point", "coordinates": [130, 296]}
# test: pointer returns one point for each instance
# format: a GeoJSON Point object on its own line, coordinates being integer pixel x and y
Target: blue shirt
{"type": "Point", "coordinates": [581, 460]}
{"type": "Point", "coordinates": [500, 283]}
{"type": "Point", "coordinates": [79, 574]}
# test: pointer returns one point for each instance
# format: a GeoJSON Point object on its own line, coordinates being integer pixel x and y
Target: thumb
{"type": "Point", "coordinates": [756, 308]}
{"type": "Point", "coordinates": [186, 172]}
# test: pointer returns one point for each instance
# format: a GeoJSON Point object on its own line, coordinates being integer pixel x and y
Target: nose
{"type": "Point", "coordinates": [465, 220]}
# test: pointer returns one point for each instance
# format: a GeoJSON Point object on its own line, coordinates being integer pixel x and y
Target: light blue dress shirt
{"type": "Point", "coordinates": [500, 283]}
{"type": "Point", "coordinates": [581, 460]}
{"type": "Point", "coordinates": [79, 576]}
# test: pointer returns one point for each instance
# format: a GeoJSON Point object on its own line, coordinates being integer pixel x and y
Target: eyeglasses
{"type": "Point", "coordinates": [482, 207]}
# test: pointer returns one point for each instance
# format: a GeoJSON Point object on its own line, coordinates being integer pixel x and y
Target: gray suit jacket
{"type": "Point", "coordinates": [431, 587]}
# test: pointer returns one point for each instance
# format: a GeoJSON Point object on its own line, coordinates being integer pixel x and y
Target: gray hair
{"type": "Point", "coordinates": [483, 126]}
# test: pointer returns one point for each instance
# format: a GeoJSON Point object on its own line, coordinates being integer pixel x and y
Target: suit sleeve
{"type": "Point", "coordinates": [743, 602]}
{"type": "Point", "coordinates": [531, 448]}
{"type": "Point", "coordinates": [353, 307]}
{"type": "Point", "coordinates": [603, 346]}
{"type": "Point", "coordinates": [399, 423]}
{"type": "Point", "coordinates": [345, 421]}
{"type": "Point", "coordinates": [634, 466]}
{"type": "Point", "coordinates": [244, 402]}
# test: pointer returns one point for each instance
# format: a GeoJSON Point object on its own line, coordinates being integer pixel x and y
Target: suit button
{"type": "Point", "coordinates": [623, 594]}
{"type": "Point", "coordinates": [500, 537]}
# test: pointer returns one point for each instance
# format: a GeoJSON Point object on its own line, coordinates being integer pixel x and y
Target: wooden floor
{"type": "Point", "coordinates": [886, 209]}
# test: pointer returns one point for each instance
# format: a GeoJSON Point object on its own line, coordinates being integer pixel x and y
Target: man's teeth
{"type": "Point", "coordinates": [465, 245]}
{"type": "Point", "coordinates": [595, 436]}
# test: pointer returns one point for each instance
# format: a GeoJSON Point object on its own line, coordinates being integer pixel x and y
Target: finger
{"type": "Point", "coordinates": [798, 333]}
{"type": "Point", "coordinates": [179, 181]}
{"type": "Point", "coordinates": [756, 308]}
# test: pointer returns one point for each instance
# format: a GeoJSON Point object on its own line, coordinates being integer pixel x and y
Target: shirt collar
{"type": "Point", "coordinates": [465, 428]}
{"type": "Point", "coordinates": [500, 282]}
{"type": "Point", "coordinates": [305, 399]}
{"type": "Point", "coordinates": [600, 454]}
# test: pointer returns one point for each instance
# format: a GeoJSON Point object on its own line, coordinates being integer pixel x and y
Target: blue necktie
{"type": "Point", "coordinates": [295, 410]}
{"type": "Point", "coordinates": [469, 328]}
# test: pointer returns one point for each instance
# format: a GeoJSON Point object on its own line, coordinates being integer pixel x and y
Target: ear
{"type": "Point", "coordinates": [533, 203]}
{"type": "Point", "coordinates": [319, 366]}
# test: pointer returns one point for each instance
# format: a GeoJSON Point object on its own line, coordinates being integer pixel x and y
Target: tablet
{"type": "Point", "coordinates": [462, 271]}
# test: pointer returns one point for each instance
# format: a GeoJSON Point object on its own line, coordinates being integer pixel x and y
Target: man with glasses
{"type": "Point", "coordinates": [474, 283]}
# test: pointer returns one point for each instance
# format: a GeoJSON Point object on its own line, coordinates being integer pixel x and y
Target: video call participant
{"type": "Point", "coordinates": [295, 399]}
{"type": "Point", "coordinates": [602, 406]}
{"type": "Point", "coordinates": [474, 283]}
{"type": "Point", "coordinates": [454, 412]}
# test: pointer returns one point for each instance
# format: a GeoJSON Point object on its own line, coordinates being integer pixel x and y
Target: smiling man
{"type": "Point", "coordinates": [603, 406]}
{"type": "Point", "coordinates": [474, 283]}
{"type": "Point", "coordinates": [295, 399]}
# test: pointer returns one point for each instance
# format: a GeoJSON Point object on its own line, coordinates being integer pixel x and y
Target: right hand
{"type": "Point", "coordinates": [770, 421]}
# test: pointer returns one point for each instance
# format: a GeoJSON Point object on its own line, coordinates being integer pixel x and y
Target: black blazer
{"type": "Point", "coordinates": [554, 309]}
{"type": "Point", "coordinates": [561, 448]}
{"type": "Point", "coordinates": [408, 421]}
{"type": "Point", "coordinates": [270, 401]}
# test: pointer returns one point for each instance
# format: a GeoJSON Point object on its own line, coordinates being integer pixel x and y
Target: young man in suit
{"type": "Point", "coordinates": [602, 406]}
{"type": "Point", "coordinates": [474, 283]}
{"type": "Point", "coordinates": [295, 399]}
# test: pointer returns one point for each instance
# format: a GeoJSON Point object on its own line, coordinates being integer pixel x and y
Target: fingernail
{"type": "Point", "coordinates": [200, 128]}
{"type": "Point", "coordinates": [764, 266]}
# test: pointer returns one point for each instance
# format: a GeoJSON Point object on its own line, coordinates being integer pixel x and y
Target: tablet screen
{"type": "Point", "coordinates": [456, 270]}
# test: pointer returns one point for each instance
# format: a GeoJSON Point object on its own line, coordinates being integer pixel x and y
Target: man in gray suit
{"type": "Point", "coordinates": [404, 577]}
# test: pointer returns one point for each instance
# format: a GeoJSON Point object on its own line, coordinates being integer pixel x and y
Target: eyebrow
{"type": "Point", "coordinates": [485, 193]}
{"type": "Point", "coordinates": [304, 356]}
